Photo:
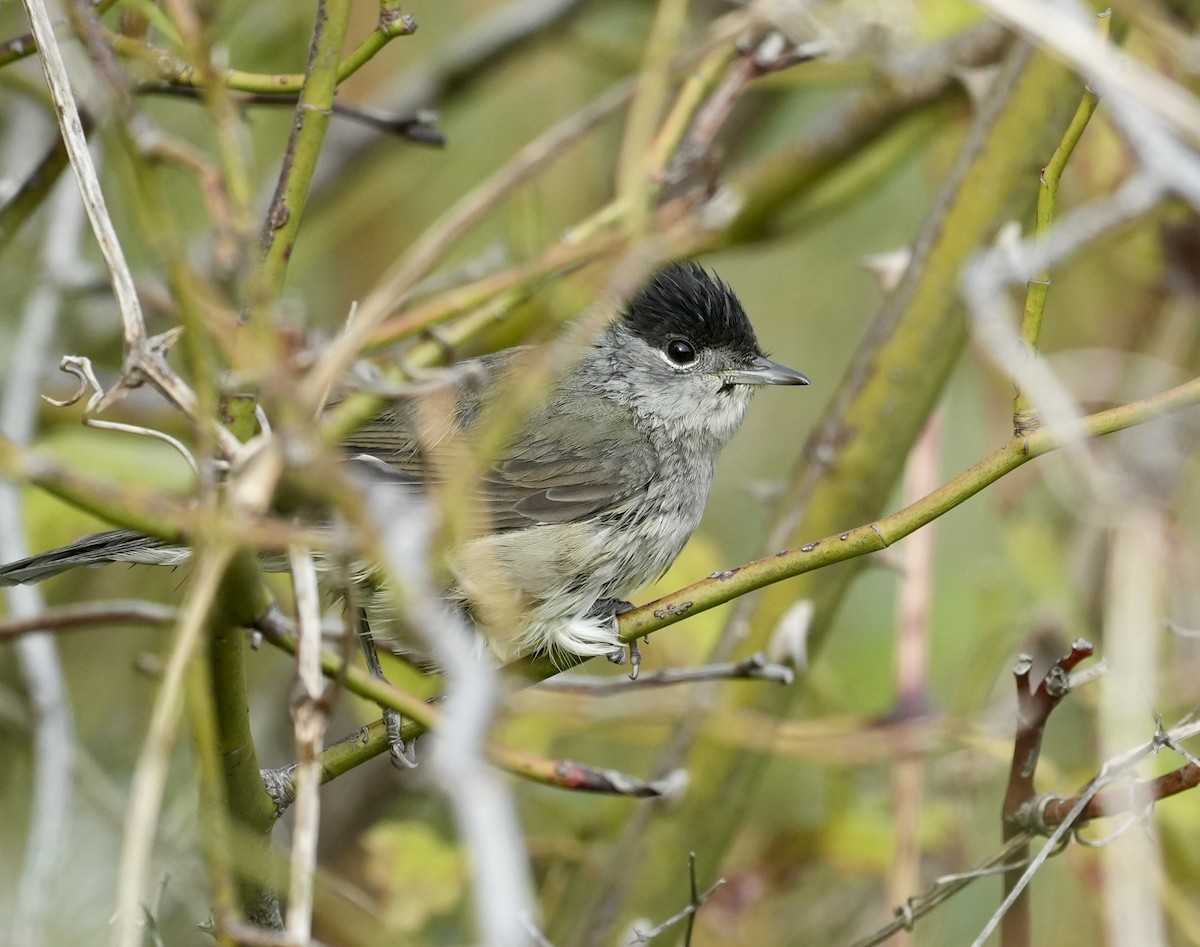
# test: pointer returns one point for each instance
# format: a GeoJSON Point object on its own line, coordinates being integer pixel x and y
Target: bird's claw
{"type": "Point", "coordinates": [402, 755]}
{"type": "Point", "coordinates": [612, 607]}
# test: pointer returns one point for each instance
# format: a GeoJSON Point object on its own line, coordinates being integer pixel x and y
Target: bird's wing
{"type": "Point", "coordinates": [543, 476]}
{"type": "Point", "coordinates": [541, 479]}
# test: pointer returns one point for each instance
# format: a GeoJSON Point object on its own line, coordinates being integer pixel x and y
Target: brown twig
{"type": "Point", "coordinates": [582, 777]}
{"type": "Point", "coordinates": [1138, 795]}
{"type": "Point", "coordinates": [74, 617]}
{"type": "Point", "coordinates": [1034, 707]}
{"type": "Point", "coordinates": [421, 128]}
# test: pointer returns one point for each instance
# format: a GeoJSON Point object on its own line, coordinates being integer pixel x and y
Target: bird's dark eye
{"type": "Point", "coordinates": [681, 352]}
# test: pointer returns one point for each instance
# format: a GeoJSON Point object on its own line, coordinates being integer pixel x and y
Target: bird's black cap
{"type": "Point", "coordinates": [684, 300]}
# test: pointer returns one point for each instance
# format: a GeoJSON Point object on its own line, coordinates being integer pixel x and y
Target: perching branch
{"type": "Point", "coordinates": [872, 537]}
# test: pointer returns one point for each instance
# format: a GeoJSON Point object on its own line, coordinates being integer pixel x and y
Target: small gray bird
{"type": "Point", "coordinates": [594, 496]}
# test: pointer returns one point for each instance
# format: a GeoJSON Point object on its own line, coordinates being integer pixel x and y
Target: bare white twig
{"type": "Point", "coordinates": [755, 668]}
{"type": "Point", "coordinates": [483, 806]}
{"type": "Point", "coordinates": [54, 729]}
{"type": "Point", "coordinates": [144, 356]}
{"type": "Point", "coordinates": [309, 716]}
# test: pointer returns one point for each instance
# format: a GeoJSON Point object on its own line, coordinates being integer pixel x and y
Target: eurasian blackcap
{"type": "Point", "coordinates": [596, 493]}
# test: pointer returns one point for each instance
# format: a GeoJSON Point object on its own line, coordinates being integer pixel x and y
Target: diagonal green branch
{"type": "Point", "coordinates": [879, 534]}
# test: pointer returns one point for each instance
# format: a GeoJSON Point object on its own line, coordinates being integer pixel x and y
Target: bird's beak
{"type": "Point", "coordinates": [762, 371]}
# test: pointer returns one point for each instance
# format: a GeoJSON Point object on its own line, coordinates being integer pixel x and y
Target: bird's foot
{"type": "Point", "coordinates": [612, 607]}
{"type": "Point", "coordinates": [402, 755]}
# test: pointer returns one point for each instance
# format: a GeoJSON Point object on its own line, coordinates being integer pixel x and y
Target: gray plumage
{"type": "Point", "coordinates": [594, 496]}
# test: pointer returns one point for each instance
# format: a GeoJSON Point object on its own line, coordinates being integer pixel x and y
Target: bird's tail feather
{"type": "Point", "coordinates": [118, 545]}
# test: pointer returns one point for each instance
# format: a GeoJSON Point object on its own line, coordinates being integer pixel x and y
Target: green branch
{"type": "Point", "coordinates": [313, 112]}
{"type": "Point", "coordinates": [176, 72]}
{"type": "Point", "coordinates": [1025, 418]}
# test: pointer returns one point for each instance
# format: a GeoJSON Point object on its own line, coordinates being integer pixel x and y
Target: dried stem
{"type": "Point", "coordinates": [309, 715]}
{"type": "Point", "coordinates": [71, 126]}
{"type": "Point", "coordinates": [149, 778]}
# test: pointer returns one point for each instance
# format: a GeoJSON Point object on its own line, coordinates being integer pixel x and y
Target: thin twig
{"type": "Point", "coordinates": [582, 777]}
{"type": "Point", "coordinates": [689, 912]}
{"type": "Point", "coordinates": [89, 615]}
{"type": "Point", "coordinates": [421, 129]}
{"type": "Point", "coordinates": [754, 668]}
{"type": "Point", "coordinates": [1034, 707]}
{"type": "Point", "coordinates": [149, 778]}
{"type": "Point", "coordinates": [1024, 414]}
